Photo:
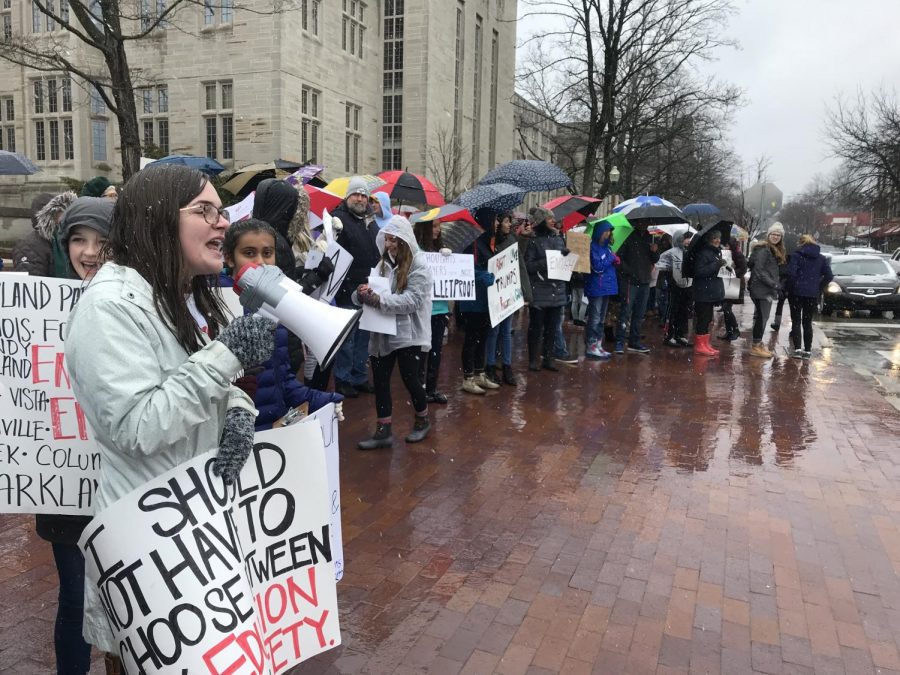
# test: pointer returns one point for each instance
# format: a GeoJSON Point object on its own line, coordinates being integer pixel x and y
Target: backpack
{"type": "Point", "coordinates": [687, 263]}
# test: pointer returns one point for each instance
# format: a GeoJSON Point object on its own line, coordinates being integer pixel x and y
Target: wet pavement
{"type": "Point", "coordinates": [653, 514]}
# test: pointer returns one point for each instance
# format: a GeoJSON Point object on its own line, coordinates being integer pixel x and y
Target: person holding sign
{"type": "Point", "coordinates": [410, 301]}
{"type": "Point", "coordinates": [428, 236]}
{"type": "Point", "coordinates": [709, 289]}
{"type": "Point", "coordinates": [548, 295]}
{"type": "Point", "coordinates": [150, 357]}
{"type": "Point", "coordinates": [504, 238]}
{"type": "Point", "coordinates": [83, 230]}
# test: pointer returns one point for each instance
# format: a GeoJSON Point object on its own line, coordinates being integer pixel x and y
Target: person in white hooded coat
{"type": "Point", "coordinates": [409, 300]}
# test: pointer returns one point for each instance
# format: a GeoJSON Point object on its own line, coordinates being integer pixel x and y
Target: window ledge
{"type": "Point", "coordinates": [217, 28]}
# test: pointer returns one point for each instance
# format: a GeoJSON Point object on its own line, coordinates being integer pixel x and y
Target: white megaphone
{"type": "Point", "coordinates": [266, 290]}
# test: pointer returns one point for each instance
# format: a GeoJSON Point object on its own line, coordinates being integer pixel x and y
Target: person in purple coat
{"type": "Point", "coordinates": [600, 285]}
{"type": "Point", "coordinates": [808, 271]}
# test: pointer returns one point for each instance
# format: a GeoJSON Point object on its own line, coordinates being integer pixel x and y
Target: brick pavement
{"type": "Point", "coordinates": [656, 514]}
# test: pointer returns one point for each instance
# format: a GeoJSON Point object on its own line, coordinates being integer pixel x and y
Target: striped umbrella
{"type": "Point", "coordinates": [339, 185]}
{"type": "Point", "coordinates": [409, 187]}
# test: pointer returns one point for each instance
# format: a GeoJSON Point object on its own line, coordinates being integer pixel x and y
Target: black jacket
{"type": "Point", "coordinates": [358, 239]}
{"type": "Point", "coordinates": [637, 258]}
{"type": "Point", "coordinates": [708, 286]}
{"type": "Point", "coordinates": [544, 292]}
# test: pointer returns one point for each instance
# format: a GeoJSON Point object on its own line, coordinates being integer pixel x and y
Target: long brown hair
{"type": "Point", "coordinates": [423, 231]}
{"type": "Point", "coordinates": [144, 236]}
{"type": "Point", "coordinates": [777, 250]}
{"type": "Point", "coordinates": [401, 265]}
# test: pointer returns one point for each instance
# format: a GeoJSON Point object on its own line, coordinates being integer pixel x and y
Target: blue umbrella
{"type": "Point", "coordinates": [650, 207]}
{"type": "Point", "coordinates": [497, 197]}
{"type": "Point", "coordinates": [701, 209]}
{"type": "Point", "coordinates": [208, 166]}
{"type": "Point", "coordinates": [531, 175]}
{"type": "Point", "coordinates": [14, 164]}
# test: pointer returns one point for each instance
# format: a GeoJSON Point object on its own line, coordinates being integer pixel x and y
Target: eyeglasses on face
{"type": "Point", "coordinates": [210, 212]}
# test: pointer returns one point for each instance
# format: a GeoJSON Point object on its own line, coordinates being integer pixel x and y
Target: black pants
{"type": "Point", "coordinates": [802, 310]}
{"type": "Point", "coordinates": [703, 313]}
{"type": "Point", "coordinates": [782, 296]}
{"type": "Point", "coordinates": [408, 359]}
{"type": "Point", "coordinates": [476, 326]}
{"type": "Point", "coordinates": [679, 309]}
{"type": "Point", "coordinates": [73, 654]}
{"type": "Point", "coordinates": [761, 309]}
{"type": "Point", "coordinates": [731, 322]}
{"type": "Point", "coordinates": [430, 363]}
{"type": "Point", "coordinates": [542, 323]}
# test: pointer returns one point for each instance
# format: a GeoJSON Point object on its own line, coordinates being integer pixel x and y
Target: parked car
{"type": "Point", "coordinates": [861, 282]}
{"type": "Point", "coordinates": [864, 250]}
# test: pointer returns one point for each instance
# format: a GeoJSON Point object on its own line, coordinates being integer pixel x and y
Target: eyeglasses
{"type": "Point", "coordinates": [210, 212]}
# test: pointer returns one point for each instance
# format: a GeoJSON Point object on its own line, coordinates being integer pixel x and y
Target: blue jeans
{"type": "Point", "coordinates": [73, 654]}
{"type": "Point", "coordinates": [559, 343]}
{"type": "Point", "coordinates": [596, 315]}
{"type": "Point", "coordinates": [633, 309]}
{"type": "Point", "coordinates": [352, 357]}
{"type": "Point", "coordinates": [503, 330]}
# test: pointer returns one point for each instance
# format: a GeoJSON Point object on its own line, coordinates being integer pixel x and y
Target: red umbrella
{"type": "Point", "coordinates": [320, 199]}
{"type": "Point", "coordinates": [445, 214]}
{"type": "Point", "coordinates": [409, 187]}
{"type": "Point", "coordinates": [572, 209]}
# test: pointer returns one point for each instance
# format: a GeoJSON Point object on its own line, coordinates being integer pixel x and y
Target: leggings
{"type": "Point", "coordinates": [430, 363]}
{"type": "Point", "coordinates": [703, 312]}
{"type": "Point", "coordinates": [383, 367]}
{"type": "Point", "coordinates": [542, 325]}
{"type": "Point", "coordinates": [761, 309]}
{"type": "Point", "coordinates": [73, 654]}
{"type": "Point", "coordinates": [476, 325]}
{"type": "Point", "coordinates": [802, 310]}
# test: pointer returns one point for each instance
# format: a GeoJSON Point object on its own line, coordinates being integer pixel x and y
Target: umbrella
{"type": "Point", "coordinates": [287, 164]}
{"type": "Point", "coordinates": [459, 234]}
{"type": "Point", "coordinates": [247, 178]}
{"type": "Point", "coordinates": [339, 185]}
{"type": "Point", "coordinates": [445, 213]}
{"type": "Point", "coordinates": [497, 197]}
{"type": "Point", "coordinates": [649, 207]}
{"type": "Point", "coordinates": [621, 228]}
{"type": "Point", "coordinates": [572, 209]}
{"type": "Point", "coordinates": [739, 233]}
{"type": "Point", "coordinates": [304, 174]}
{"type": "Point", "coordinates": [531, 175]}
{"type": "Point", "coordinates": [724, 228]}
{"type": "Point", "coordinates": [409, 187]}
{"type": "Point", "coordinates": [14, 164]}
{"type": "Point", "coordinates": [669, 229]}
{"type": "Point", "coordinates": [321, 200]}
{"type": "Point", "coordinates": [700, 209]}
{"type": "Point", "coordinates": [207, 165]}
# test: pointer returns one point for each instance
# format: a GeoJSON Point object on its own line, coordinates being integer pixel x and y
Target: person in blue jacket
{"type": "Point", "coordinates": [807, 272]}
{"type": "Point", "coordinates": [273, 386]}
{"type": "Point", "coordinates": [599, 286]}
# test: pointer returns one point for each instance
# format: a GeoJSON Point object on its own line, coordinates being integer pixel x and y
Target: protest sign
{"type": "Point", "coordinates": [560, 266]}
{"type": "Point", "coordinates": [374, 320]}
{"type": "Point", "coordinates": [341, 260]}
{"type": "Point", "coordinates": [453, 276]}
{"type": "Point", "coordinates": [48, 461]}
{"type": "Point", "coordinates": [505, 294]}
{"type": "Point", "coordinates": [242, 210]}
{"type": "Point", "coordinates": [198, 577]}
{"type": "Point", "coordinates": [580, 244]}
{"type": "Point", "coordinates": [328, 422]}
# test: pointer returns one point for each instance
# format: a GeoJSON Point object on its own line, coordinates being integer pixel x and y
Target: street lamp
{"type": "Point", "coordinates": [613, 187]}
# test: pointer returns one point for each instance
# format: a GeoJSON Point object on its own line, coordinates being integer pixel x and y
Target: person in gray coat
{"type": "Point", "coordinates": [409, 300]}
{"type": "Point", "coordinates": [766, 258]}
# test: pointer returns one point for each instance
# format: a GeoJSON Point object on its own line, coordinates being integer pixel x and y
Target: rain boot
{"type": "Point", "coordinates": [382, 438]}
{"type": "Point", "coordinates": [508, 377]}
{"type": "Point", "coordinates": [701, 346]}
{"type": "Point", "coordinates": [420, 429]}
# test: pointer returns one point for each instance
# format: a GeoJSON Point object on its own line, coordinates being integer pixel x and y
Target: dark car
{"type": "Point", "coordinates": [861, 282]}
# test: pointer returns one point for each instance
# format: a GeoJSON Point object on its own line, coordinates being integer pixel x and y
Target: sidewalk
{"type": "Point", "coordinates": [654, 514]}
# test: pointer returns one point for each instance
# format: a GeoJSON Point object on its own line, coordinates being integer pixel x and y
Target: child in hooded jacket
{"type": "Point", "coordinates": [599, 286]}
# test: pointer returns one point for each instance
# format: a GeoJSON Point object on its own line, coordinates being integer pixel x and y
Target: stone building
{"type": "Point", "coordinates": [356, 85]}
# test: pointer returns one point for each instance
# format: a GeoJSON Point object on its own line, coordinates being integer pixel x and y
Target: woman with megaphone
{"type": "Point", "coordinates": [409, 300]}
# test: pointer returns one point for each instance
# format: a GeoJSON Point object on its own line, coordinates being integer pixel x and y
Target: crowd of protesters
{"type": "Point", "coordinates": [154, 253]}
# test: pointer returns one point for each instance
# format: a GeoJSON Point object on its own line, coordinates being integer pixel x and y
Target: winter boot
{"type": "Point", "coordinates": [548, 364]}
{"type": "Point", "coordinates": [485, 382]}
{"type": "Point", "coordinates": [776, 324]}
{"type": "Point", "coordinates": [594, 351]}
{"type": "Point", "coordinates": [701, 346]}
{"type": "Point", "coordinates": [491, 373]}
{"type": "Point", "coordinates": [382, 438]}
{"type": "Point", "coordinates": [470, 385]}
{"type": "Point", "coordinates": [420, 429]}
{"type": "Point", "coordinates": [759, 349]}
{"type": "Point", "coordinates": [508, 377]}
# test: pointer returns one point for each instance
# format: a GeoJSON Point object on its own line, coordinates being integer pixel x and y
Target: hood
{"type": "Point", "coordinates": [276, 203]}
{"type": "Point", "coordinates": [401, 228]}
{"type": "Point", "coordinates": [678, 237]}
{"type": "Point", "coordinates": [47, 220]}
{"type": "Point", "coordinates": [300, 222]}
{"type": "Point", "coordinates": [385, 200]}
{"type": "Point", "coordinates": [600, 228]}
{"type": "Point", "coordinates": [809, 250]}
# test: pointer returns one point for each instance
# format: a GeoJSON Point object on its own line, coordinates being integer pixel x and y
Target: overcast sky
{"type": "Point", "coordinates": [795, 56]}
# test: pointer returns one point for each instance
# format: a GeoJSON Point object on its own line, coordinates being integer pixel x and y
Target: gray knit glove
{"type": "Point", "coordinates": [235, 445]}
{"type": "Point", "coordinates": [250, 338]}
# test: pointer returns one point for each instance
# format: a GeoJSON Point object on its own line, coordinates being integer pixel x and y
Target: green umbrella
{"type": "Point", "coordinates": [621, 228]}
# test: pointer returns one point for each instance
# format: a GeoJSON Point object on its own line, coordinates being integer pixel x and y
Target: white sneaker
{"type": "Point", "coordinates": [485, 382]}
{"type": "Point", "coordinates": [470, 386]}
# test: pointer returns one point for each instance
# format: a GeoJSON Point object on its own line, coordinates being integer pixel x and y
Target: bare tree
{"type": "Point", "coordinates": [448, 163]}
{"type": "Point", "coordinates": [106, 27]}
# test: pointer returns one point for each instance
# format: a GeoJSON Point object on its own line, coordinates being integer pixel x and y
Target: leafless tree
{"type": "Point", "coordinates": [448, 163]}
{"type": "Point", "coordinates": [107, 28]}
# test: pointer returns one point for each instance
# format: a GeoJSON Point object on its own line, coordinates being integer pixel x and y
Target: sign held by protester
{"type": "Point", "coordinates": [505, 295]}
{"type": "Point", "coordinates": [242, 210]}
{"type": "Point", "coordinates": [48, 460]}
{"type": "Point", "coordinates": [195, 576]}
{"type": "Point", "coordinates": [580, 244]}
{"type": "Point", "coordinates": [341, 260]}
{"type": "Point", "coordinates": [453, 276]}
{"type": "Point", "coordinates": [560, 266]}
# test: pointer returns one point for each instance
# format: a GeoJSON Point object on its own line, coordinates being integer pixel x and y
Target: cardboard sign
{"type": "Point", "coordinates": [580, 244]}
{"type": "Point", "coordinates": [242, 210]}
{"type": "Point", "coordinates": [560, 266]}
{"type": "Point", "coordinates": [453, 276]}
{"type": "Point", "coordinates": [505, 295]}
{"type": "Point", "coordinates": [48, 460]}
{"type": "Point", "coordinates": [198, 577]}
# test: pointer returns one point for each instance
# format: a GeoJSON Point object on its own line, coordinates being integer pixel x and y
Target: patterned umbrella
{"type": "Point", "coordinates": [410, 187]}
{"type": "Point", "coordinates": [649, 207]}
{"type": "Point", "coordinates": [339, 185]}
{"type": "Point", "coordinates": [14, 164]}
{"type": "Point", "coordinates": [304, 174]}
{"type": "Point", "coordinates": [497, 197]}
{"type": "Point", "coordinates": [531, 175]}
{"type": "Point", "coordinates": [572, 209]}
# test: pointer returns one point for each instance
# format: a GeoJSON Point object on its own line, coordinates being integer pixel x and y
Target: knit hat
{"type": "Point", "coordinates": [93, 212]}
{"type": "Point", "coordinates": [357, 186]}
{"type": "Point", "coordinates": [95, 187]}
{"type": "Point", "coordinates": [539, 215]}
{"type": "Point", "coordinates": [775, 228]}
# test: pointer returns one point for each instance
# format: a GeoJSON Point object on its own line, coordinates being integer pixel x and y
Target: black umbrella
{"type": "Point", "coordinates": [532, 175]}
{"type": "Point", "coordinates": [497, 197]}
{"type": "Point", "coordinates": [459, 234]}
{"type": "Point", "coordinates": [724, 228]}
